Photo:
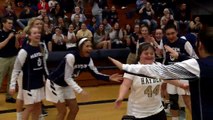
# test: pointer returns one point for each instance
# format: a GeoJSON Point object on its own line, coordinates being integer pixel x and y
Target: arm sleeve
{"type": "Point", "coordinates": [188, 69]}
{"type": "Point", "coordinates": [20, 60]}
{"type": "Point", "coordinates": [69, 68]}
{"type": "Point", "coordinates": [94, 71]}
{"type": "Point", "coordinates": [128, 76]}
{"type": "Point", "coordinates": [189, 49]}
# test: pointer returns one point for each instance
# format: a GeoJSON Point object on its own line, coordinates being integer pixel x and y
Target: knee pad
{"type": "Point", "coordinates": [174, 102]}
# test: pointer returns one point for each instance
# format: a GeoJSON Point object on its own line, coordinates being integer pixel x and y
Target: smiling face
{"type": "Point", "coordinates": [144, 31]}
{"type": "Point", "coordinates": [158, 34]}
{"type": "Point", "coordinates": [85, 48]}
{"type": "Point", "coordinates": [146, 53]}
{"type": "Point", "coordinates": [147, 56]}
{"type": "Point", "coordinates": [34, 35]}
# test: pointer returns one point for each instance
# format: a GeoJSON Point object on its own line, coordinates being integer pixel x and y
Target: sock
{"type": "Point", "coordinates": [175, 118]}
{"type": "Point", "coordinates": [41, 117]}
{"type": "Point", "coordinates": [19, 115]}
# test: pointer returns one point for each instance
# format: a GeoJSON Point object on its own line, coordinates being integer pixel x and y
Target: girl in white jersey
{"type": "Point", "coordinates": [144, 102]}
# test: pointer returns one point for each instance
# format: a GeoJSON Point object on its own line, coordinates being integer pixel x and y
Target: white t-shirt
{"type": "Point", "coordinates": [145, 98]}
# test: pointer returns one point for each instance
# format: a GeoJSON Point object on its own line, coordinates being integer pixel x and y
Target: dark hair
{"type": "Point", "coordinates": [170, 24]}
{"type": "Point", "coordinates": [4, 19]}
{"type": "Point", "coordinates": [79, 47]}
{"type": "Point", "coordinates": [143, 47]}
{"type": "Point", "coordinates": [206, 38]}
{"type": "Point", "coordinates": [145, 25]}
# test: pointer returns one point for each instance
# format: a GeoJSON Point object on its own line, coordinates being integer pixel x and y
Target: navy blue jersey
{"type": "Point", "coordinates": [9, 50]}
{"type": "Point", "coordinates": [181, 46]}
{"type": "Point", "coordinates": [201, 93]}
{"type": "Point", "coordinates": [71, 66]}
{"type": "Point", "coordinates": [33, 68]}
{"type": "Point", "coordinates": [30, 61]}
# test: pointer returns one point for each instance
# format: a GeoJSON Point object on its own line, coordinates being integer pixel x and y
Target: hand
{"type": "Point", "coordinates": [11, 35]}
{"type": "Point", "coordinates": [173, 53]}
{"type": "Point", "coordinates": [116, 62]}
{"type": "Point", "coordinates": [12, 91]}
{"type": "Point", "coordinates": [116, 77]}
{"type": "Point", "coordinates": [118, 103]}
{"type": "Point", "coordinates": [85, 95]}
{"type": "Point", "coordinates": [185, 86]}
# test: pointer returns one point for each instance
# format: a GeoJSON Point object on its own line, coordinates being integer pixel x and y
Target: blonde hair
{"type": "Point", "coordinates": [30, 24]}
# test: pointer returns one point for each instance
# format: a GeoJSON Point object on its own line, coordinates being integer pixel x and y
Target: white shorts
{"type": "Point", "coordinates": [171, 89]}
{"type": "Point", "coordinates": [56, 93]}
{"type": "Point", "coordinates": [33, 96]}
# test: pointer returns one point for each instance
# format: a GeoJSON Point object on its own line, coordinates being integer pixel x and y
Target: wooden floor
{"type": "Point", "coordinates": [103, 110]}
{"type": "Point", "coordinates": [99, 106]}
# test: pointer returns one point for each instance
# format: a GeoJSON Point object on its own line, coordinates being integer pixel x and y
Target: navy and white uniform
{"type": "Point", "coordinates": [30, 61]}
{"type": "Point", "coordinates": [186, 51]}
{"type": "Point", "coordinates": [62, 79]}
{"type": "Point", "coordinates": [145, 98]}
{"type": "Point", "coordinates": [200, 89]}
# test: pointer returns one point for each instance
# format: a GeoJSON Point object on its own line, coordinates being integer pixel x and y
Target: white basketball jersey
{"type": "Point", "coordinates": [145, 97]}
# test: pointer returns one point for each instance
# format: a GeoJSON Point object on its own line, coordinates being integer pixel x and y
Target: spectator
{"type": "Point", "coordinates": [42, 4]}
{"type": "Point", "coordinates": [82, 17]}
{"type": "Point", "coordinates": [8, 51]}
{"type": "Point", "coordinates": [166, 17]}
{"type": "Point", "coordinates": [113, 16]}
{"type": "Point", "coordinates": [116, 37]}
{"type": "Point", "coordinates": [158, 35]}
{"type": "Point", "coordinates": [97, 11]}
{"type": "Point", "coordinates": [24, 16]}
{"type": "Point", "coordinates": [62, 24]}
{"type": "Point", "coordinates": [47, 36]}
{"type": "Point", "coordinates": [8, 11]}
{"type": "Point", "coordinates": [57, 12]}
{"type": "Point", "coordinates": [76, 23]}
{"type": "Point", "coordinates": [52, 4]}
{"type": "Point", "coordinates": [183, 18]}
{"type": "Point", "coordinates": [131, 43]}
{"type": "Point", "coordinates": [92, 26]}
{"type": "Point", "coordinates": [107, 26]}
{"type": "Point", "coordinates": [147, 15]}
{"type": "Point", "coordinates": [84, 32]}
{"type": "Point", "coordinates": [100, 39]}
{"type": "Point", "coordinates": [71, 38]}
{"type": "Point", "coordinates": [58, 41]}
{"type": "Point", "coordinates": [195, 25]}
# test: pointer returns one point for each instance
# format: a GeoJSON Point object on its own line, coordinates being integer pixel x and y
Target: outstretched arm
{"type": "Point", "coordinates": [116, 77]}
{"type": "Point", "coordinates": [184, 70]}
{"type": "Point", "coordinates": [116, 62]}
{"type": "Point", "coordinates": [178, 83]}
